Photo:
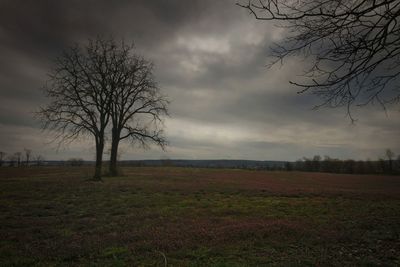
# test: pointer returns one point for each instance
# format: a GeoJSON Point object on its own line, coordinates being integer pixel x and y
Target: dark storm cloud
{"type": "Point", "coordinates": [32, 33]}
{"type": "Point", "coordinates": [210, 59]}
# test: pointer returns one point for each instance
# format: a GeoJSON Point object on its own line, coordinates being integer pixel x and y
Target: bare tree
{"type": "Point", "coordinates": [390, 156]}
{"type": "Point", "coordinates": [137, 106]}
{"type": "Point", "coordinates": [354, 46]}
{"type": "Point", "coordinates": [12, 159]}
{"type": "Point", "coordinates": [80, 90]}
{"type": "Point", "coordinates": [398, 163]}
{"type": "Point", "coordinates": [28, 153]}
{"type": "Point", "coordinates": [2, 157]}
{"type": "Point", "coordinates": [39, 159]}
{"type": "Point", "coordinates": [17, 156]}
{"type": "Point", "coordinates": [75, 162]}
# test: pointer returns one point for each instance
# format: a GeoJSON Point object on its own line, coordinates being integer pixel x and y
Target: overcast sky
{"type": "Point", "coordinates": [210, 60]}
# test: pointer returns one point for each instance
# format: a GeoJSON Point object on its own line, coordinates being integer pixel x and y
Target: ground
{"type": "Point", "coordinates": [53, 216]}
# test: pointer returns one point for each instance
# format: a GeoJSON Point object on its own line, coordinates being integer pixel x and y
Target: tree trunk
{"type": "Point", "coordinates": [114, 154]}
{"type": "Point", "coordinates": [99, 160]}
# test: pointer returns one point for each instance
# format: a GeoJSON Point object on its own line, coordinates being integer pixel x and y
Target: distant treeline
{"type": "Point", "coordinates": [219, 163]}
{"type": "Point", "coordinates": [389, 164]}
{"type": "Point", "coordinates": [328, 164]}
{"type": "Point", "coordinates": [18, 159]}
{"type": "Point", "coordinates": [314, 164]}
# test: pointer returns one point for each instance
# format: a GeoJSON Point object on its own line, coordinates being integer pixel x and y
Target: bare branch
{"type": "Point", "coordinates": [138, 106]}
{"type": "Point", "coordinates": [80, 94]}
{"type": "Point", "coordinates": [354, 46]}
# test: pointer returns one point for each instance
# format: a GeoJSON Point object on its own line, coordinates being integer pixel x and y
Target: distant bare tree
{"type": "Point", "coordinates": [2, 157]}
{"type": "Point", "coordinates": [18, 156]}
{"type": "Point", "coordinates": [137, 106]}
{"type": "Point", "coordinates": [28, 153]}
{"type": "Point", "coordinates": [316, 163]}
{"type": "Point", "coordinates": [354, 46]}
{"type": "Point", "coordinates": [39, 159]}
{"type": "Point", "coordinates": [398, 163]}
{"type": "Point", "coordinates": [390, 156]}
{"type": "Point", "coordinates": [12, 159]}
{"type": "Point", "coordinates": [80, 90]}
{"type": "Point", "coordinates": [75, 162]}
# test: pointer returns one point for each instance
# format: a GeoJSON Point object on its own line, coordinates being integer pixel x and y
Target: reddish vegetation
{"type": "Point", "coordinates": [197, 217]}
{"type": "Point", "coordinates": [286, 183]}
{"type": "Point", "coordinates": [264, 181]}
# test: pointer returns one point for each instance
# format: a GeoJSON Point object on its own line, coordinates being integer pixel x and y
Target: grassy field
{"type": "Point", "coordinates": [197, 217]}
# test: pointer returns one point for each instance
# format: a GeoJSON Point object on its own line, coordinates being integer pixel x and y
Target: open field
{"type": "Point", "coordinates": [197, 217]}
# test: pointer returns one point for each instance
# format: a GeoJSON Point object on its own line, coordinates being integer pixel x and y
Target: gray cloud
{"type": "Point", "coordinates": [210, 59]}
